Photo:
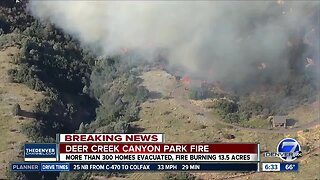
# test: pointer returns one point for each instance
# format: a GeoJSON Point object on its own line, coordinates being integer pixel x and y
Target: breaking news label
{"type": "Point", "coordinates": [110, 138]}
{"type": "Point", "coordinates": [288, 150]}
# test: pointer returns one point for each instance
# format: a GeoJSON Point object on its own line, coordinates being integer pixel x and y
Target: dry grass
{"type": "Point", "coordinates": [306, 113]}
{"type": "Point", "coordinates": [183, 126]}
{"type": "Point", "coordinates": [256, 123]}
{"type": "Point", "coordinates": [11, 137]}
{"type": "Point", "coordinates": [310, 138]}
{"type": "Point", "coordinates": [159, 81]}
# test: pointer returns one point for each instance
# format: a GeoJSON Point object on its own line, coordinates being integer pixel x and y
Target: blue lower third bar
{"type": "Point", "coordinates": [25, 167]}
{"type": "Point", "coordinates": [289, 166]}
{"type": "Point", "coordinates": [57, 167]}
{"type": "Point", "coordinates": [164, 167]}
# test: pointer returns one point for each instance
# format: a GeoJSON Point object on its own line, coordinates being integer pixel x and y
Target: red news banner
{"type": "Point", "coordinates": [159, 152]}
{"type": "Point", "coordinates": [111, 138]}
{"type": "Point", "coordinates": [147, 147]}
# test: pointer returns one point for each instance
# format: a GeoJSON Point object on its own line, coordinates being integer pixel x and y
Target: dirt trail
{"type": "Point", "coordinates": [178, 92]}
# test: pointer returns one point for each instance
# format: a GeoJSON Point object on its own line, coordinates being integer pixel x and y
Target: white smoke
{"type": "Point", "coordinates": [228, 38]}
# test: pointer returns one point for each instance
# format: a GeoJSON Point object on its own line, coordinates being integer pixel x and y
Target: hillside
{"type": "Point", "coordinates": [10, 126]}
{"type": "Point", "coordinates": [183, 125]}
{"type": "Point", "coordinates": [73, 69]}
{"type": "Point", "coordinates": [62, 86]}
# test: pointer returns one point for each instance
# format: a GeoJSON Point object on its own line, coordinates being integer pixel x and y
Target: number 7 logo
{"type": "Point", "coordinates": [293, 146]}
{"type": "Point", "coordinates": [287, 148]}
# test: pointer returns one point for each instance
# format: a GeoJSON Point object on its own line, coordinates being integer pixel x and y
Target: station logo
{"type": "Point", "coordinates": [288, 150]}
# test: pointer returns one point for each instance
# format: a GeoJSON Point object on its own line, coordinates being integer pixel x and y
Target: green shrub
{"type": "Point", "coordinates": [198, 93]}
{"type": "Point", "coordinates": [232, 118]}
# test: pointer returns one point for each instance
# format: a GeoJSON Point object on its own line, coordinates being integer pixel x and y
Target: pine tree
{"type": "Point", "coordinates": [16, 110]}
{"type": "Point", "coordinates": [82, 128]}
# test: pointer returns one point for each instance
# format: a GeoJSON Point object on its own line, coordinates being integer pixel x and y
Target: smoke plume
{"type": "Point", "coordinates": [216, 40]}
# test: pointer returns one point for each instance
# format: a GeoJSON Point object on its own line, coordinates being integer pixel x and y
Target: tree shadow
{"type": "Point", "coordinates": [291, 122]}
{"type": "Point", "coordinates": [154, 95]}
{"type": "Point", "coordinates": [136, 129]}
{"type": "Point", "coordinates": [27, 114]}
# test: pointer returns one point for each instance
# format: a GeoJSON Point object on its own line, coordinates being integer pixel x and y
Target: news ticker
{"type": "Point", "coordinates": [57, 167]}
{"type": "Point", "coordinates": [241, 167]}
